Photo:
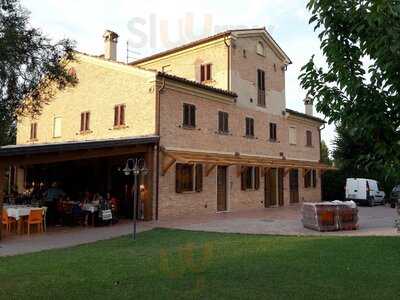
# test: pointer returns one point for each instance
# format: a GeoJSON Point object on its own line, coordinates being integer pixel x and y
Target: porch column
{"type": "Point", "coordinates": [148, 183]}
{"type": "Point", "coordinates": [2, 187]}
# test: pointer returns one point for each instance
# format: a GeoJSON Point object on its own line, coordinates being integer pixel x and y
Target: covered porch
{"type": "Point", "coordinates": [79, 169]}
{"type": "Point", "coordinates": [214, 182]}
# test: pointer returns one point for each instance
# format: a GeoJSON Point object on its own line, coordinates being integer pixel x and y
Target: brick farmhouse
{"type": "Point", "coordinates": [209, 118]}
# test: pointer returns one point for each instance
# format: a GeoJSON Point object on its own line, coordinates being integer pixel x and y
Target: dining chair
{"type": "Point", "coordinates": [7, 221]}
{"type": "Point", "coordinates": [35, 218]}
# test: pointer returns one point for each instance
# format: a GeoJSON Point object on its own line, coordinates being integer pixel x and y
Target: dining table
{"type": "Point", "coordinates": [19, 212]}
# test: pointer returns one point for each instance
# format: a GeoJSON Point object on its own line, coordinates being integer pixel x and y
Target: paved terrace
{"type": "Point", "coordinates": [376, 221]}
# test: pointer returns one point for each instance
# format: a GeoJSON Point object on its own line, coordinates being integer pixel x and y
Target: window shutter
{"type": "Point", "coordinates": [116, 115]}
{"type": "Point", "coordinates": [87, 121]}
{"type": "Point", "coordinates": [185, 114]}
{"type": "Point", "coordinates": [220, 121]}
{"type": "Point", "coordinates": [178, 179]}
{"type": "Point", "coordinates": [208, 76]}
{"type": "Point", "coordinates": [257, 178]}
{"type": "Point", "coordinates": [122, 115]}
{"type": "Point", "coordinates": [82, 121]}
{"type": "Point", "coordinates": [263, 81]}
{"type": "Point", "coordinates": [202, 73]}
{"type": "Point", "coordinates": [243, 178]}
{"type": "Point", "coordinates": [226, 122]}
{"type": "Point", "coordinates": [247, 127]}
{"type": "Point", "coordinates": [309, 137]}
{"type": "Point", "coordinates": [35, 130]}
{"type": "Point", "coordinates": [193, 115]}
{"type": "Point", "coordinates": [314, 173]}
{"type": "Point", "coordinates": [252, 126]}
{"type": "Point", "coordinates": [199, 178]}
{"type": "Point", "coordinates": [31, 131]}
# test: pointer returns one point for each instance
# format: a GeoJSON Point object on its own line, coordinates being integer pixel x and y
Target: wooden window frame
{"type": "Point", "coordinates": [196, 178]}
{"type": "Point", "coordinates": [206, 72]}
{"type": "Point", "coordinates": [310, 179]}
{"type": "Point", "coordinates": [85, 122]}
{"type": "Point", "coordinates": [273, 132]}
{"type": "Point", "coordinates": [54, 127]}
{"type": "Point", "coordinates": [250, 178]}
{"type": "Point", "coordinates": [223, 122]}
{"type": "Point", "coordinates": [295, 135]}
{"type": "Point", "coordinates": [189, 115]}
{"type": "Point", "coordinates": [249, 128]}
{"type": "Point", "coordinates": [119, 116]}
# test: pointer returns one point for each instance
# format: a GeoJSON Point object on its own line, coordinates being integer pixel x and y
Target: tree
{"type": "Point", "coordinates": [346, 144]}
{"type": "Point", "coordinates": [325, 154]}
{"type": "Point", "coordinates": [32, 68]}
{"type": "Point", "coordinates": [360, 86]}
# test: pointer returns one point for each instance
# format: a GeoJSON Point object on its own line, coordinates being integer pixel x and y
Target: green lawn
{"type": "Point", "coordinates": [170, 264]}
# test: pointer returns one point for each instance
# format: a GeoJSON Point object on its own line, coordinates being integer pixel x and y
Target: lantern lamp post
{"type": "Point", "coordinates": [135, 167]}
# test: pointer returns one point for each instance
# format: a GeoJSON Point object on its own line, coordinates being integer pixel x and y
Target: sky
{"type": "Point", "coordinates": [153, 25]}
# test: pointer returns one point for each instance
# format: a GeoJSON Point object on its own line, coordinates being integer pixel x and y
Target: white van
{"type": "Point", "coordinates": [364, 191]}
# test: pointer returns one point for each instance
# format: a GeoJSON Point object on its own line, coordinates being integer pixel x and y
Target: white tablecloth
{"type": "Point", "coordinates": [19, 211]}
{"type": "Point", "coordinates": [90, 207]}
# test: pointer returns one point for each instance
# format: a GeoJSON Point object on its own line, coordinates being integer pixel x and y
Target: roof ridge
{"type": "Point", "coordinates": [303, 115]}
{"type": "Point", "coordinates": [198, 42]}
{"type": "Point", "coordinates": [197, 84]}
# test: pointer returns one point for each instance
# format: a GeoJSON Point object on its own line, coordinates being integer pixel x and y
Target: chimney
{"type": "Point", "coordinates": [309, 106]}
{"type": "Point", "coordinates": [110, 45]}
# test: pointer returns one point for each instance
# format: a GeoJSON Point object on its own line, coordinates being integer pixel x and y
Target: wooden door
{"type": "Point", "coordinates": [281, 174]}
{"type": "Point", "coordinates": [271, 187]}
{"type": "Point", "coordinates": [294, 185]}
{"type": "Point", "coordinates": [222, 188]}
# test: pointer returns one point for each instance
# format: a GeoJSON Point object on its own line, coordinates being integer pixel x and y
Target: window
{"type": "Point", "coordinates": [272, 132]}
{"type": "Point", "coordinates": [308, 138]}
{"type": "Point", "coordinates": [249, 127]}
{"type": "Point", "coordinates": [223, 122]}
{"type": "Point", "coordinates": [250, 178]}
{"type": "Point", "coordinates": [189, 178]}
{"type": "Point", "coordinates": [119, 115]}
{"type": "Point", "coordinates": [260, 49]}
{"type": "Point", "coordinates": [57, 127]}
{"type": "Point", "coordinates": [292, 135]}
{"type": "Point", "coordinates": [261, 88]}
{"type": "Point", "coordinates": [33, 135]}
{"type": "Point", "coordinates": [205, 72]}
{"type": "Point", "coordinates": [189, 115]}
{"type": "Point", "coordinates": [310, 179]}
{"type": "Point", "coordinates": [85, 121]}
{"type": "Point", "coordinates": [314, 176]}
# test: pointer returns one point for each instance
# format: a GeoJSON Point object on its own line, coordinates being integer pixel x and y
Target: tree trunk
{"type": "Point", "coordinates": [2, 186]}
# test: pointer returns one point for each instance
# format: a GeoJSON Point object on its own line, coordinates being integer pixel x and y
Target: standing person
{"type": "Point", "coordinates": [114, 205]}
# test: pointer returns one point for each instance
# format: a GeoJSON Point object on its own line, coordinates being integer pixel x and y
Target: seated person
{"type": "Point", "coordinates": [52, 195]}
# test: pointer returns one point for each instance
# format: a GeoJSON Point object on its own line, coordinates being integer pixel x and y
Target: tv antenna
{"type": "Point", "coordinates": [130, 54]}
